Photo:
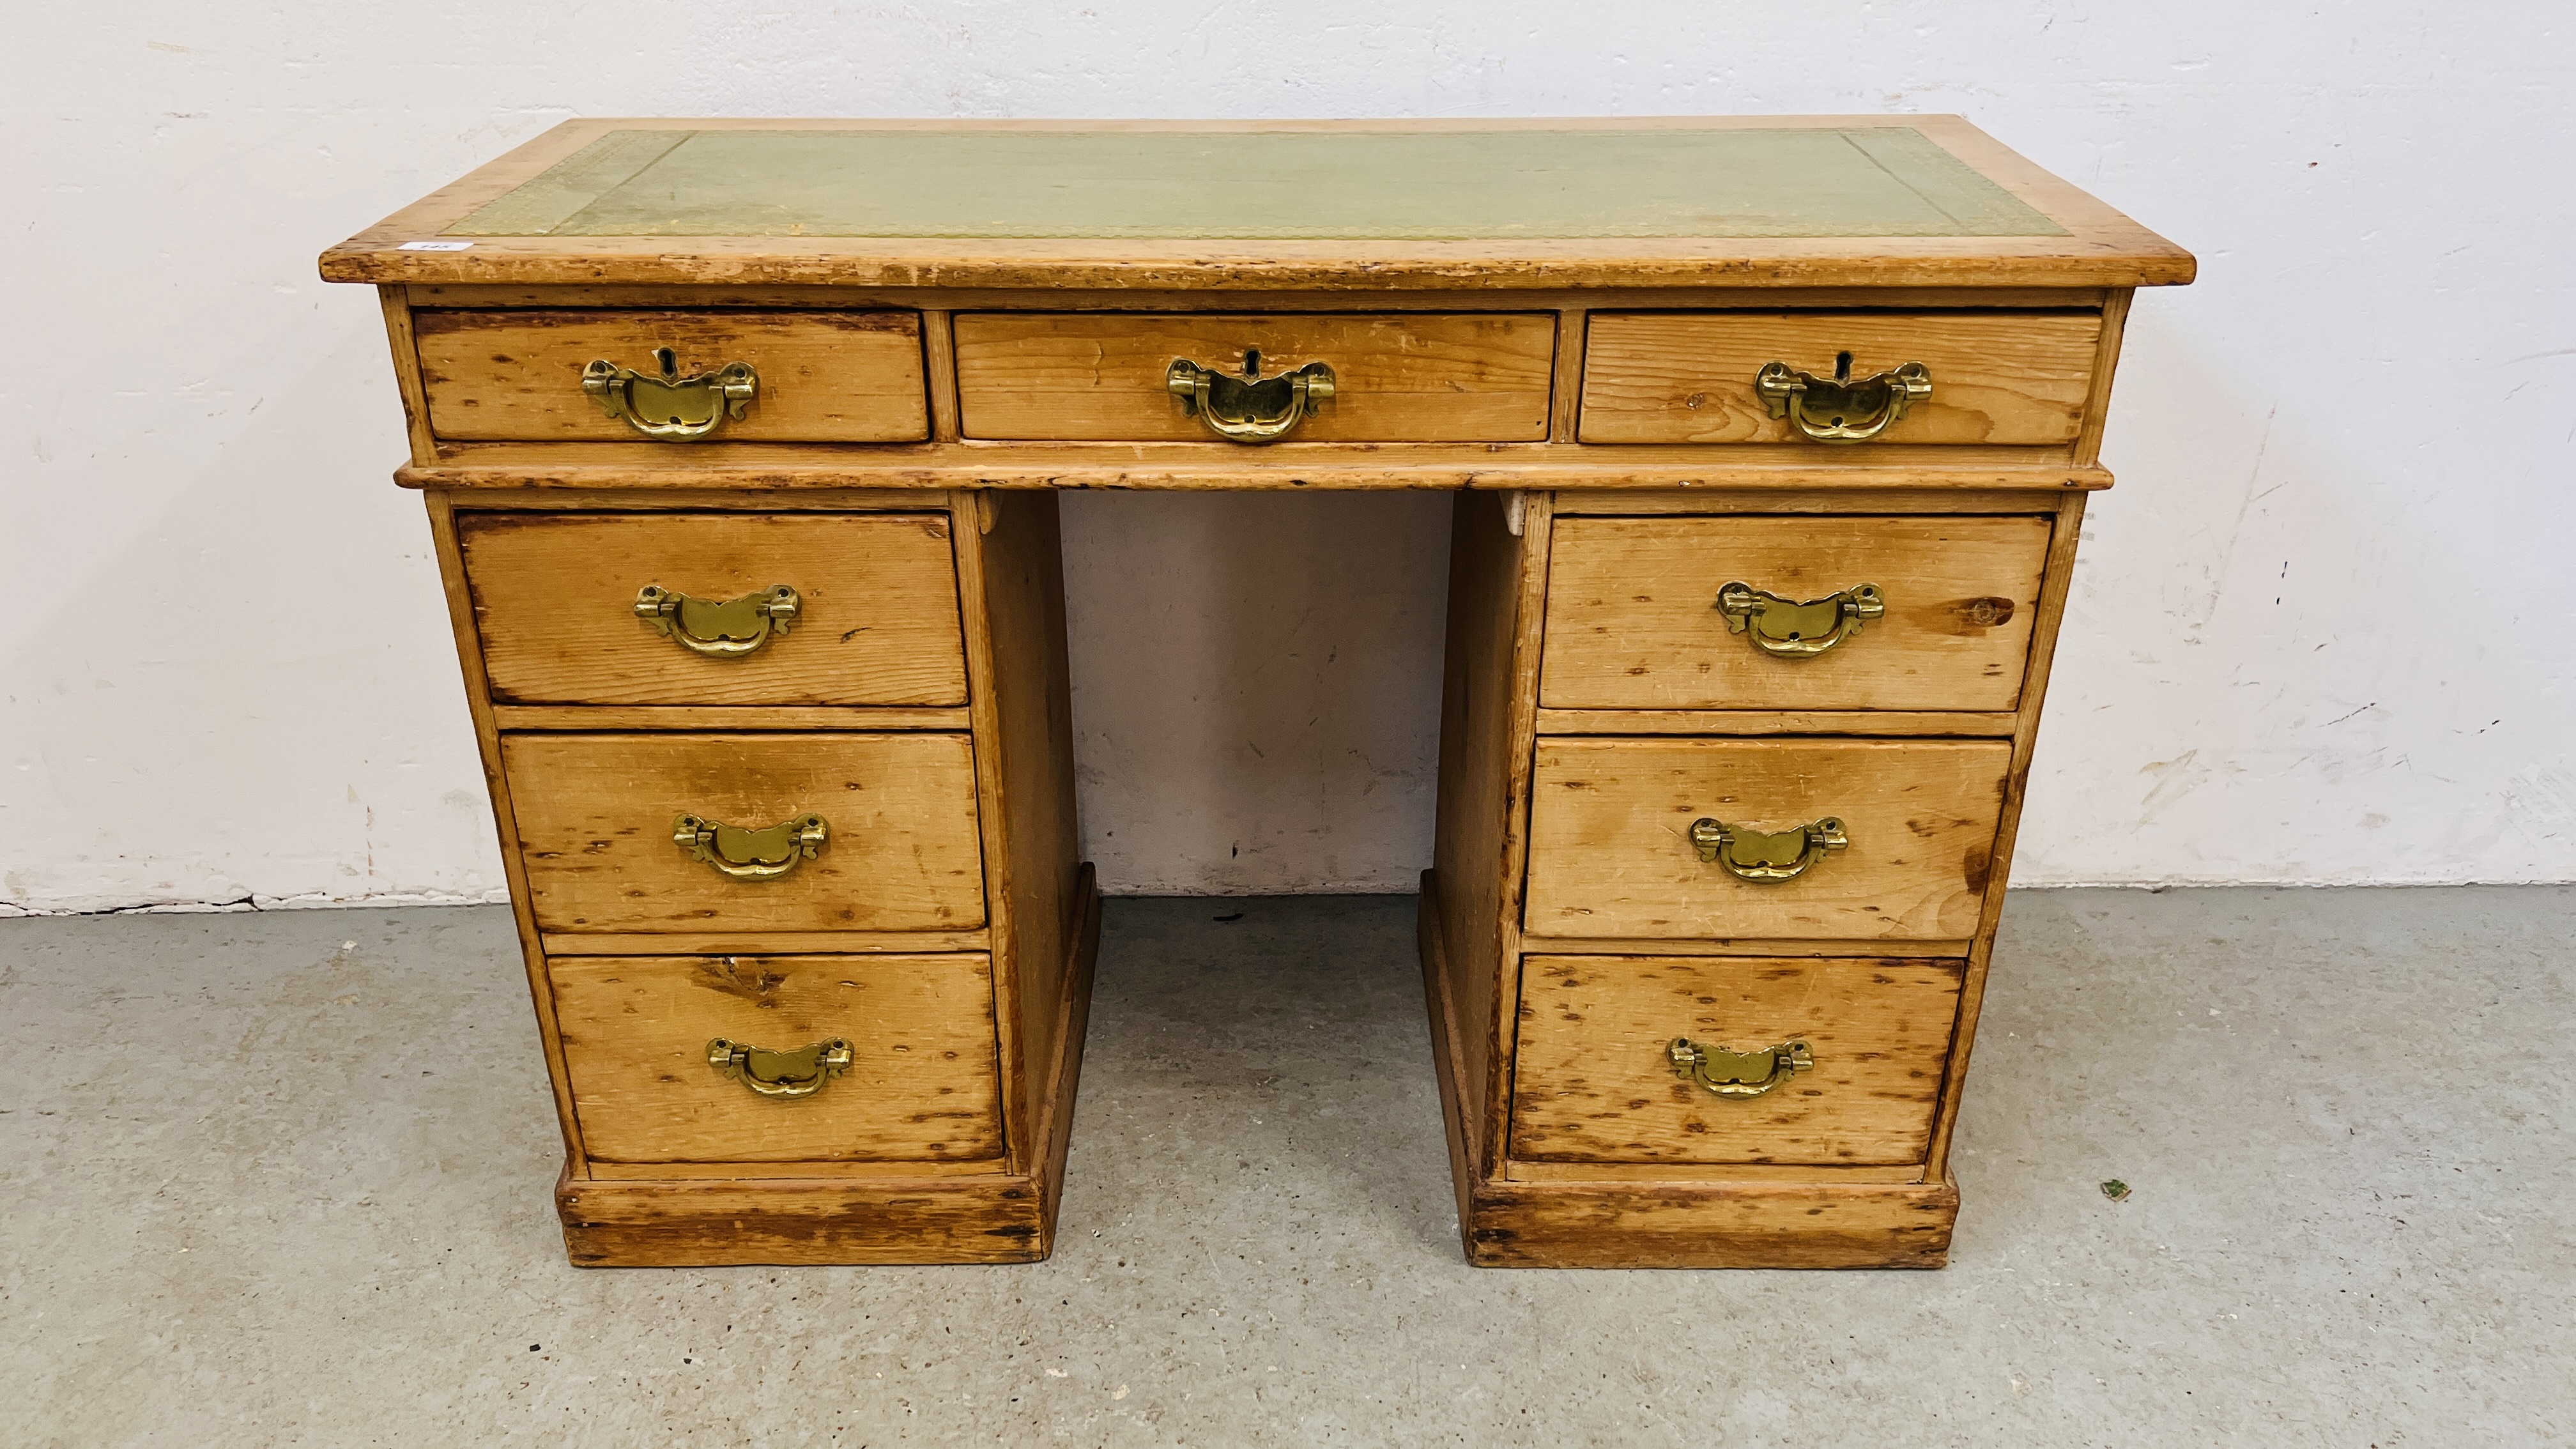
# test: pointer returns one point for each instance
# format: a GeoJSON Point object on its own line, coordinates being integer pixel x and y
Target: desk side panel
{"type": "Point", "coordinates": [1475, 837]}
{"type": "Point", "coordinates": [1019, 543]}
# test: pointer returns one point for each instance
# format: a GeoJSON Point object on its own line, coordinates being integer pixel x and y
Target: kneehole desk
{"type": "Point", "coordinates": [1770, 440]}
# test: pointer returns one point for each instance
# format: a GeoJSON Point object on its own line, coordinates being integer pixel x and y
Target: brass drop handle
{"type": "Point", "coordinates": [1763, 857]}
{"type": "Point", "coordinates": [667, 406]}
{"type": "Point", "coordinates": [1836, 409]}
{"type": "Point", "coordinates": [1789, 629]}
{"type": "Point", "coordinates": [1738, 1074]}
{"type": "Point", "coordinates": [800, 1073]}
{"type": "Point", "coordinates": [764, 854]}
{"type": "Point", "coordinates": [725, 630]}
{"type": "Point", "coordinates": [1250, 408]}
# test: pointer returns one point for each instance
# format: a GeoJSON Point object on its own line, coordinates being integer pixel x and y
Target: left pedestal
{"type": "Point", "coordinates": [785, 797]}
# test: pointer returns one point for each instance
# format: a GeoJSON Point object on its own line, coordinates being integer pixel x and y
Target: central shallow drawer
{"type": "Point", "coordinates": [1595, 1079]}
{"type": "Point", "coordinates": [598, 828]}
{"type": "Point", "coordinates": [1636, 612]}
{"type": "Point", "coordinates": [1612, 854]}
{"type": "Point", "coordinates": [818, 377]}
{"type": "Point", "coordinates": [558, 602]}
{"type": "Point", "coordinates": [1411, 377]}
{"type": "Point", "coordinates": [921, 1082]}
{"type": "Point", "coordinates": [1689, 377]}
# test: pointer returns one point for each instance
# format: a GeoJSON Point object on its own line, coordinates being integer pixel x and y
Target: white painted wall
{"type": "Point", "coordinates": [2323, 630]}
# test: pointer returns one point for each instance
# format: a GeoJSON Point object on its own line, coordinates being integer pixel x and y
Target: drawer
{"type": "Point", "coordinates": [1411, 377]}
{"type": "Point", "coordinates": [1611, 851]}
{"type": "Point", "coordinates": [920, 1084]}
{"type": "Point", "coordinates": [1688, 377]}
{"type": "Point", "coordinates": [817, 377]}
{"type": "Point", "coordinates": [597, 818]}
{"type": "Point", "coordinates": [556, 600]}
{"type": "Point", "coordinates": [1596, 1079]}
{"type": "Point", "coordinates": [1635, 618]}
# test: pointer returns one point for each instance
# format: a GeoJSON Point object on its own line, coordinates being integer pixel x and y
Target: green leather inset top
{"type": "Point", "coordinates": [1855, 181]}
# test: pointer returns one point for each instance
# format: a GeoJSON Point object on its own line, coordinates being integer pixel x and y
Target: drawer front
{"type": "Point", "coordinates": [597, 826]}
{"type": "Point", "coordinates": [556, 602]}
{"type": "Point", "coordinates": [1612, 853]}
{"type": "Point", "coordinates": [1688, 377]}
{"type": "Point", "coordinates": [1596, 1080]}
{"type": "Point", "coordinates": [921, 1083]}
{"type": "Point", "coordinates": [1635, 618]}
{"type": "Point", "coordinates": [1411, 377]}
{"type": "Point", "coordinates": [819, 377]}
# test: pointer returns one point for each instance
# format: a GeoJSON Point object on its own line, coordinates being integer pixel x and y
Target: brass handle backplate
{"type": "Point", "coordinates": [800, 1073]}
{"type": "Point", "coordinates": [1738, 1074]}
{"type": "Point", "coordinates": [668, 406]}
{"type": "Point", "coordinates": [751, 854]}
{"type": "Point", "coordinates": [1763, 857]}
{"type": "Point", "coordinates": [726, 630]}
{"type": "Point", "coordinates": [1250, 408]}
{"type": "Point", "coordinates": [1789, 629]}
{"type": "Point", "coordinates": [1836, 409]}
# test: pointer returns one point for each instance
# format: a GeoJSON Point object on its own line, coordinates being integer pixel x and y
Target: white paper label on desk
{"type": "Point", "coordinates": [433, 246]}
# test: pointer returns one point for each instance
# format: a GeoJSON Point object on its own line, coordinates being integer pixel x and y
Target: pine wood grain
{"type": "Point", "coordinates": [719, 717]}
{"type": "Point", "coordinates": [1025, 759]}
{"type": "Point", "coordinates": [1538, 945]}
{"type": "Point", "coordinates": [759, 943]}
{"type": "Point", "coordinates": [396, 307]}
{"type": "Point", "coordinates": [1610, 853]}
{"type": "Point", "coordinates": [1678, 377]}
{"type": "Point", "coordinates": [1773, 722]}
{"type": "Point", "coordinates": [554, 603]}
{"type": "Point", "coordinates": [1768, 477]}
{"type": "Point", "coordinates": [1594, 1083]}
{"type": "Point", "coordinates": [673, 1224]}
{"type": "Point", "coordinates": [922, 1082]}
{"type": "Point", "coordinates": [849, 377]}
{"type": "Point", "coordinates": [2106, 364]}
{"type": "Point", "coordinates": [1059, 1074]}
{"type": "Point", "coordinates": [895, 1170]}
{"type": "Point", "coordinates": [1409, 377]}
{"type": "Point", "coordinates": [1877, 482]}
{"type": "Point", "coordinates": [1663, 1173]}
{"type": "Point", "coordinates": [971, 519]}
{"type": "Point", "coordinates": [1632, 621]}
{"type": "Point", "coordinates": [1820, 1224]}
{"type": "Point", "coordinates": [696, 488]}
{"type": "Point", "coordinates": [1461, 1110]}
{"type": "Point", "coordinates": [1750, 1216]}
{"type": "Point", "coordinates": [594, 819]}
{"type": "Point", "coordinates": [757, 1214]}
{"type": "Point", "coordinates": [1473, 835]}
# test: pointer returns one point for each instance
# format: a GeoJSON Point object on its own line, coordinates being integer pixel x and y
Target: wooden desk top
{"type": "Point", "coordinates": [1351, 205]}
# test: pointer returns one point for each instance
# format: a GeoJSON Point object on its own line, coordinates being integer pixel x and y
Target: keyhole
{"type": "Point", "coordinates": [1251, 364]}
{"type": "Point", "coordinates": [1842, 367]}
{"type": "Point", "coordinates": [670, 362]}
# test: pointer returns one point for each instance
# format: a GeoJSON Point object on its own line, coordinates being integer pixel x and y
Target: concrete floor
{"type": "Point", "coordinates": [267, 1188]}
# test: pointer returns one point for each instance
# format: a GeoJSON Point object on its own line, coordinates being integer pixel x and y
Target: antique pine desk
{"type": "Point", "coordinates": [1770, 439]}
